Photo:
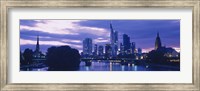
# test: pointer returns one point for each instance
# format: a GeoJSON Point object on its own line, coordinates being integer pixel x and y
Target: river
{"type": "Point", "coordinates": [106, 66]}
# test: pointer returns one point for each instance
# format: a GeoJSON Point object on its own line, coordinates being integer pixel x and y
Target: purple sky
{"type": "Point", "coordinates": [73, 32]}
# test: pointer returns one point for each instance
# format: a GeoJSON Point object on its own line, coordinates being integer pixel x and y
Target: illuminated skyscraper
{"type": "Point", "coordinates": [126, 43]}
{"type": "Point", "coordinates": [121, 48]}
{"type": "Point", "coordinates": [158, 42]}
{"type": "Point", "coordinates": [108, 50]}
{"type": "Point", "coordinates": [100, 51]}
{"type": "Point", "coordinates": [139, 51]}
{"type": "Point", "coordinates": [113, 41]}
{"type": "Point", "coordinates": [95, 49]}
{"type": "Point", "coordinates": [133, 47]}
{"type": "Point", "coordinates": [87, 46]}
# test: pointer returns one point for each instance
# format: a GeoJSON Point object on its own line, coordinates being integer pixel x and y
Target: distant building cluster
{"type": "Point", "coordinates": [112, 49]}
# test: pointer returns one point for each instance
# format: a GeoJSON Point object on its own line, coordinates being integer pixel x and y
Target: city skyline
{"type": "Point", "coordinates": [73, 32]}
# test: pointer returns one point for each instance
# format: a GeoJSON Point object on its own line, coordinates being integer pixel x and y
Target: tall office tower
{"type": "Point", "coordinates": [157, 42]}
{"type": "Point", "coordinates": [100, 50]}
{"type": "Point", "coordinates": [87, 46]}
{"type": "Point", "coordinates": [133, 47]}
{"type": "Point", "coordinates": [95, 49]}
{"type": "Point", "coordinates": [121, 48]}
{"type": "Point", "coordinates": [115, 44]}
{"type": "Point", "coordinates": [139, 51]}
{"type": "Point", "coordinates": [126, 43]}
{"type": "Point", "coordinates": [108, 51]}
{"type": "Point", "coordinates": [113, 41]}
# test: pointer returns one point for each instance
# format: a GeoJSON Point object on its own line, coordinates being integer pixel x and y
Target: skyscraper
{"type": "Point", "coordinates": [158, 42]}
{"type": "Point", "coordinates": [133, 47]}
{"type": "Point", "coordinates": [108, 50]}
{"type": "Point", "coordinates": [100, 50]}
{"type": "Point", "coordinates": [95, 49]}
{"type": "Point", "coordinates": [139, 51]}
{"type": "Point", "coordinates": [121, 48]}
{"type": "Point", "coordinates": [113, 41]}
{"type": "Point", "coordinates": [87, 46]}
{"type": "Point", "coordinates": [126, 43]}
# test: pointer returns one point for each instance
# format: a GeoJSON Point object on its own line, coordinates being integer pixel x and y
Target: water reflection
{"type": "Point", "coordinates": [109, 66]}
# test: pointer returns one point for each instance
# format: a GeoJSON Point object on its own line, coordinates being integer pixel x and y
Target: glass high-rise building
{"type": "Point", "coordinates": [100, 50]}
{"type": "Point", "coordinates": [108, 50]}
{"type": "Point", "coordinates": [126, 42]}
{"type": "Point", "coordinates": [133, 47]}
{"type": "Point", "coordinates": [113, 41]}
{"type": "Point", "coordinates": [95, 49]}
{"type": "Point", "coordinates": [87, 46]}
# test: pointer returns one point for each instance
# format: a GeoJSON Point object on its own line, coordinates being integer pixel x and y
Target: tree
{"type": "Point", "coordinates": [157, 56]}
{"type": "Point", "coordinates": [28, 56]}
{"type": "Point", "coordinates": [62, 58]}
{"type": "Point", "coordinates": [22, 62]}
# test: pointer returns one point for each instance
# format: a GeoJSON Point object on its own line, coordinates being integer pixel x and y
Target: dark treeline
{"type": "Point", "coordinates": [26, 57]}
{"type": "Point", "coordinates": [61, 58]}
{"type": "Point", "coordinates": [158, 57]}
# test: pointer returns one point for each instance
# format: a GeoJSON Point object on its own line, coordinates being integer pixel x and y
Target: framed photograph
{"type": "Point", "coordinates": [99, 45]}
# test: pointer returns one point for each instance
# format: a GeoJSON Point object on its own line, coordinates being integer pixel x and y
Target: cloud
{"type": "Point", "coordinates": [72, 32]}
{"type": "Point", "coordinates": [147, 50]}
{"type": "Point", "coordinates": [68, 27]}
{"type": "Point", "coordinates": [69, 40]}
{"type": "Point", "coordinates": [100, 40]}
{"type": "Point", "coordinates": [177, 49]}
{"type": "Point", "coordinates": [52, 43]}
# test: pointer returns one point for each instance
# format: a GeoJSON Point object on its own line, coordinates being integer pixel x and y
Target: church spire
{"type": "Point", "coordinates": [157, 42]}
{"type": "Point", "coordinates": [37, 45]}
{"type": "Point", "coordinates": [111, 27]}
{"type": "Point", "coordinates": [157, 34]}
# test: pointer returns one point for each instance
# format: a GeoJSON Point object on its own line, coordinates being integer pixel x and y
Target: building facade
{"type": "Point", "coordinates": [87, 46]}
{"type": "Point", "coordinates": [126, 43]}
{"type": "Point", "coordinates": [113, 41]}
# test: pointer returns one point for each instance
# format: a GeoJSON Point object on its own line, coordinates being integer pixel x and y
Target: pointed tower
{"type": "Point", "coordinates": [158, 42]}
{"type": "Point", "coordinates": [37, 49]}
{"type": "Point", "coordinates": [113, 41]}
{"type": "Point", "coordinates": [111, 32]}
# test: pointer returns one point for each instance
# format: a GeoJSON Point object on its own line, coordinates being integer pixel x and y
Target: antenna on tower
{"type": "Point", "coordinates": [111, 25]}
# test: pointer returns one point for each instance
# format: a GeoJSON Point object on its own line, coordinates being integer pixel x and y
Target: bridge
{"type": "Point", "coordinates": [123, 61]}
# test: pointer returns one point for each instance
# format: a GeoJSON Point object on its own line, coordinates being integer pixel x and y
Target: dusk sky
{"type": "Point", "coordinates": [73, 32]}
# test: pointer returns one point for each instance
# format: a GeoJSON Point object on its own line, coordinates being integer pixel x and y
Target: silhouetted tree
{"type": "Point", "coordinates": [157, 56]}
{"type": "Point", "coordinates": [22, 62]}
{"type": "Point", "coordinates": [62, 58]}
{"type": "Point", "coordinates": [28, 55]}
